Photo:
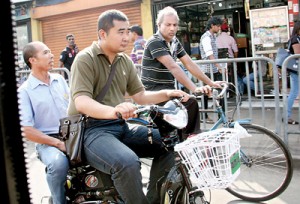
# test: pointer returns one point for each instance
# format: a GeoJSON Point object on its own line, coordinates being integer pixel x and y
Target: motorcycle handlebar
{"type": "Point", "coordinates": [143, 108]}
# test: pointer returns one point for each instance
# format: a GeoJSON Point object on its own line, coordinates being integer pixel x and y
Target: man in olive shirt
{"type": "Point", "coordinates": [110, 145]}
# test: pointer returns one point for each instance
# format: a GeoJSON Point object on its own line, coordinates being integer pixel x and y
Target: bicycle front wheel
{"type": "Point", "coordinates": [263, 155]}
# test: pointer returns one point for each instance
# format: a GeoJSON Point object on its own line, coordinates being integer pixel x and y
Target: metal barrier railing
{"type": "Point", "coordinates": [258, 62]}
{"type": "Point", "coordinates": [262, 102]}
{"type": "Point", "coordinates": [23, 74]}
{"type": "Point", "coordinates": [287, 129]}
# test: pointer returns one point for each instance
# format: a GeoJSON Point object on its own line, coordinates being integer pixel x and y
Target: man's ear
{"type": "Point", "coordinates": [102, 34]}
{"type": "Point", "coordinates": [32, 60]}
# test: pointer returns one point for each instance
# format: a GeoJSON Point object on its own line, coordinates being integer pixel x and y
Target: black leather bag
{"type": "Point", "coordinates": [71, 131]}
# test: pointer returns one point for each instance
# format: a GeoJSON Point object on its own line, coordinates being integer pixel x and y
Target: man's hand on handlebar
{"type": "Point", "coordinates": [125, 110]}
{"type": "Point", "coordinates": [207, 90]}
{"type": "Point", "coordinates": [184, 97]}
{"type": "Point", "coordinates": [203, 90]}
{"type": "Point", "coordinates": [218, 84]}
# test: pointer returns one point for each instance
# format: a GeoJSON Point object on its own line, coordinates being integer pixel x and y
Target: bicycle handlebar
{"type": "Point", "coordinates": [145, 108]}
{"type": "Point", "coordinates": [221, 94]}
{"type": "Point", "coordinates": [214, 91]}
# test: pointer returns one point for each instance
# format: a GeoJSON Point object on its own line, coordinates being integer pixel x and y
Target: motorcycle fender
{"type": "Point", "coordinates": [171, 186]}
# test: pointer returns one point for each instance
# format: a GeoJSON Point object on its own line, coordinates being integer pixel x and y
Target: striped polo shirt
{"type": "Point", "coordinates": [155, 73]}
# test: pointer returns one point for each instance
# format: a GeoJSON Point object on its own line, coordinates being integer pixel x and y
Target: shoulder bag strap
{"type": "Point", "coordinates": [108, 83]}
{"type": "Point", "coordinates": [289, 45]}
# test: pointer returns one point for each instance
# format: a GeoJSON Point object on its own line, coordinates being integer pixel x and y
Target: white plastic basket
{"type": "Point", "coordinates": [212, 158]}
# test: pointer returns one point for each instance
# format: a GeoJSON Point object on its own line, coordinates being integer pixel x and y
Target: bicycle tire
{"type": "Point", "coordinates": [268, 155]}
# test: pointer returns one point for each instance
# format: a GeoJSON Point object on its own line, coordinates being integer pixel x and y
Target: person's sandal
{"type": "Point", "coordinates": [292, 122]}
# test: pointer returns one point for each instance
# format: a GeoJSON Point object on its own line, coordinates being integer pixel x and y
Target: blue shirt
{"type": "Point", "coordinates": [42, 105]}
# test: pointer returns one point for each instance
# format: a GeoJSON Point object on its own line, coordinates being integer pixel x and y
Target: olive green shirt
{"type": "Point", "coordinates": [90, 71]}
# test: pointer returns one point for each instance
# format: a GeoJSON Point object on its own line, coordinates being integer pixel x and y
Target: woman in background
{"type": "Point", "coordinates": [294, 49]}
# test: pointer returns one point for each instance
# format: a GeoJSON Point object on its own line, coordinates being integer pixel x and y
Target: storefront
{"type": "Point", "coordinates": [259, 35]}
{"type": "Point", "coordinates": [52, 22]}
{"type": "Point", "coordinates": [194, 15]}
{"type": "Point", "coordinates": [23, 27]}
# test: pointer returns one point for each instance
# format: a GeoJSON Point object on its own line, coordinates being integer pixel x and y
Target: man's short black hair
{"type": "Point", "coordinates": [137, 29]}
{"type": "Point", "coordinates": [69, 35]}
{"type": "Point", "coordinates": [105, 20]}
{"type": "Point", "coordinates": [214, 20]}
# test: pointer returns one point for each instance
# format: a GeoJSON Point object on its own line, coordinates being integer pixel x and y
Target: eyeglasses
{"type": "Point", "coordinates": [69, 39]}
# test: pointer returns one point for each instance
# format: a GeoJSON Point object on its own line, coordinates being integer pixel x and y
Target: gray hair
{"type": "Point", "coordinates": [167, 11]}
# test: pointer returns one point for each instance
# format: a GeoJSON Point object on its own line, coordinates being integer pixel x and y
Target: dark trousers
{"type": "Point", "coordinates": [193, 125]}
{"type": "Point", "coordinates": [192, 107]}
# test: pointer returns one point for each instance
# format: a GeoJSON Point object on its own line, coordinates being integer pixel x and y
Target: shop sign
{"type": "Point", "coordinates": [22, 11]}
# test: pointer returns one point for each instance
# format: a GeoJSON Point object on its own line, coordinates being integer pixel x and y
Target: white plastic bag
{"type": "Point", "coordinates": [242, 131]}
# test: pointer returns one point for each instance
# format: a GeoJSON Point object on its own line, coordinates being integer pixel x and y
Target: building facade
{"type": "Point", "coordinates": [50, 20]}
{"type": "Point", "coordinates": [52, 23]}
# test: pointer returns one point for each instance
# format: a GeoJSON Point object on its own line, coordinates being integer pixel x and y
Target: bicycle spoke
{"type": "Point", "coordinates": [262, 154]}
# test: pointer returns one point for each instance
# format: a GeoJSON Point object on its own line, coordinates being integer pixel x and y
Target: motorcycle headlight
{"type": "Point", "coordinates": [177, 118]}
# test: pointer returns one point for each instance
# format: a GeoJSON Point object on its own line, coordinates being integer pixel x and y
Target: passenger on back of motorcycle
{"type": "Point", "coordinates": [44, 100]}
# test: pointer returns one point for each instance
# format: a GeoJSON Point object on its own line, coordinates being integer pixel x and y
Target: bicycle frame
{"type": "Point", "coordinates": [223, 119]}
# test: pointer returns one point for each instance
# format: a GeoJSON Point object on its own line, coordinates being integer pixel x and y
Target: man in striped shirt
{"type": "Point", "coordinates": [136, 35]}
{"type": "Point", "coordinates": [159, 67]}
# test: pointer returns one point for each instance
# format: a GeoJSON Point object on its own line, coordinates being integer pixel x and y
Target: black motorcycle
{"type": "Point", "coordinates": [85, 184]}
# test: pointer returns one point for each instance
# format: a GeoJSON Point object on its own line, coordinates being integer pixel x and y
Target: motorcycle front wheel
{"type": "Point", "coordinates": [175, 191]}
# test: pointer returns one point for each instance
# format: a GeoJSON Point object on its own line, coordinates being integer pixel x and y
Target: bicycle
{"type": "Point", "coordinates": [262, 154]}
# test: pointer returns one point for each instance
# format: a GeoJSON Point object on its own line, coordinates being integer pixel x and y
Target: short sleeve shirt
{"type": "Point", "coordinates": [138, 49]}
{"type": "Point", "coordinates": [67, 57]}
{"type": "Point", "coordinates": [90, 72]}
{"type": "Point", "coordinates": [42, 105]}
{"type": "Point", "coordinates": [226, 41]}
{"type": "Point", "coordinates": [153, 72]}
{"type": "Point", "coordinates": [208, 46]}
